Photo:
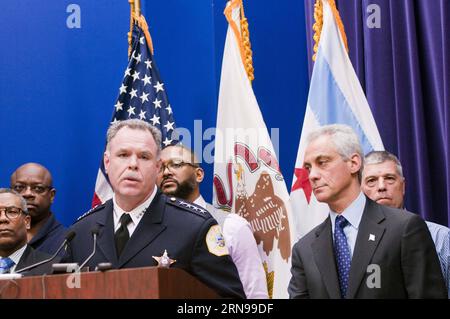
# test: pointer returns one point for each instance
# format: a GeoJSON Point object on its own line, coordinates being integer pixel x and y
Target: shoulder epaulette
{"type": "Point", "coordinates": [90, 212]}
{"type": "Point", "coordinates": [188, 206]}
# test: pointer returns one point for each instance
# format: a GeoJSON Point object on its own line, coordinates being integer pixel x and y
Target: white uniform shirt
{"type": "Point", "coordinates": [136, 214]}
{"type": "Point", "coordinates": [242, 247]}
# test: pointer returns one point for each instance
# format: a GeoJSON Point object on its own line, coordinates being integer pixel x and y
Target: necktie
{"type": "Point", "coordinates": [5, 265]}
{"type": "Point", "coordinates": [342, 254]}
{"type": "Point", "coordinates": [122, 235]}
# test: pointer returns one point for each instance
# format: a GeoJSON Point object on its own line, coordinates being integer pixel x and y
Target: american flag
{"type": "Point", "coordinates": [142, 95]}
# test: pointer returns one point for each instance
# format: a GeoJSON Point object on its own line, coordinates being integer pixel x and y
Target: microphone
{"type": "Point", "coordinates": [94, 232]}
{"type": "Point", "coordinates": [69, 236]}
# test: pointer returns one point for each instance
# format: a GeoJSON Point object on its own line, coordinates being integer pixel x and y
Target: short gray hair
{"type": "Point", "coordinates": [378, 157]}
{"type": "Point", "coordinates": [23, 202]}
{"type": "Point", "coordinates": [344, 139]}
{"type": "Point", "coordinates": [134, 124]}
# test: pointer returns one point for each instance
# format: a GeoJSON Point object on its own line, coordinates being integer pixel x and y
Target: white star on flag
{"type": "Point", "coordinates": [123, 89]}
{"type": "Point", "coordinates": [157, 103]}
{"type": "Point", "coordinates": [133, 93]}
{"type": "Point", "coordinates": [135, 76]}
{"type": "Point", "coordinates": [119, 106]}
{"type": "Point", "coordinates": [148, 63]}
{"type": "Point", "coordinates": [137, 57]}
{"type": "Point", "coordinates": [155, 119]}
{"type": "Point", "coordinates": [144, 97]}
{"type": "Point", "coordinates": [169, 126]}
{"type": "Point", "coordinates": [159, 86]}
{"type": "Point", "coordinates": [142, 115]}
{"type": "Point", "coordinates": [167, 142]}
{"type": "Point", "coordinates": [169, 109]}
{"type": "Point", "coordinates": [131, 110]}
{"type": "Point", "coordinates": [146, 79]}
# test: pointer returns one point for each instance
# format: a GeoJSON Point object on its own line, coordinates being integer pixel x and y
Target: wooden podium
{"type": "Point", "coordinates": [133, 283]}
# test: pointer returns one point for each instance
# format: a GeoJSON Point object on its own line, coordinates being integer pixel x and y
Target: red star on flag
{"type": "Point", "coordinates": [302, 182]}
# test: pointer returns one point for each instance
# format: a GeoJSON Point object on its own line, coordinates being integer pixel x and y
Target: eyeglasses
{"type": "Point", "coordinates": [175, 165]}
{"type": "Point", "coordinates": [37, 189]}
{"type": "Point", "coordinates": [11, 212]}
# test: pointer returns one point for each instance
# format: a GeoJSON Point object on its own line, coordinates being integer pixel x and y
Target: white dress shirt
{"type": "Point", "coordinates": [15, 256]}
{"type": "Point", "coordinates": [135, 214]}
{"type": "Point", "coordinates": [243, 250]}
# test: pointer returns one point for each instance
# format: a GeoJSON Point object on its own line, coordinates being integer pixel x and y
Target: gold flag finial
{"type": "Point", "coordinates": [242, 36]}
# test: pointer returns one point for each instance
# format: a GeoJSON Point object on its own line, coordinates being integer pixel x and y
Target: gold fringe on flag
{"type": "Point", "coordinates": [242, 37]}
{"type": "Point", "coordinates": [318, 24]}
{"type": "Point", "coordinates": [137, 17]}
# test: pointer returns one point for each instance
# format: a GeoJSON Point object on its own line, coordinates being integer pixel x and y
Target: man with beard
{"type": "Point", "coordinates": [34, 182]}
{"type": "Point", "coordinates": [180, 176]}
{"type": "Point", "coordinates": [15, 254]}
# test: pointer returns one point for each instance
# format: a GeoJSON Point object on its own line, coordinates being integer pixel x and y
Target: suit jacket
{"type": "Point", "coordinates": [31, 256]}
{"type": "Point", "coordinates": [168, 224]}
{"type": "Point", "coordinates": [400, 245]}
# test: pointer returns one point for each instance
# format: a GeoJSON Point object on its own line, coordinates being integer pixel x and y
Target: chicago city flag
{"type": "Point", "coordinates": [335, 97]}
{"type": "Point", "coordinates": [247, 179]}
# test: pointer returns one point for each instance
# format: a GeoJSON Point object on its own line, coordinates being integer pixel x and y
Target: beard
{"type": "Point", "coordinates": [184, 189]}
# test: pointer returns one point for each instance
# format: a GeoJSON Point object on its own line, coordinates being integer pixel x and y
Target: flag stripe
{"type": "Point", "coordinates": [326, 98]}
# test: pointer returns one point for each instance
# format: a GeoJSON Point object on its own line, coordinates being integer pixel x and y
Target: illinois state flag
{"type": "Point", "coordinates": [247, 179]}
{"type": "Point", "coordinates": [335, 96]}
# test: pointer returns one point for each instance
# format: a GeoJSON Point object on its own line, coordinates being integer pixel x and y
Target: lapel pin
{"type": "Point", "coordinates": [371, 237]}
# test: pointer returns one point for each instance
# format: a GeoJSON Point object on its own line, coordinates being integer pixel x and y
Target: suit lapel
{"type": "Point", "coordinates": [147, 230]}
{"type": "Point", "coordinates": [323, 253]}
{"type": "Point", "coordinates": [26, 259]}
{"type": "Point", "coordinates": [105, 241]}
{"type": "Point", "coordinates": [369, 236]}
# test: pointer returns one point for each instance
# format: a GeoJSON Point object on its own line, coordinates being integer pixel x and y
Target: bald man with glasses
{"type": "Point", "coordinates": [34, 182]}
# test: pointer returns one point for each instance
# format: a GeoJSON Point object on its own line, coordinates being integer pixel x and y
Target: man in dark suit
{"type": "Point", "coordinates": [35, 183]}
{"type": "Point", "coordinates": [363, 249]}
{"type": "Point", "coordinates": [139, 225]}
{"type": "Point", "coordinates": [15, 254]}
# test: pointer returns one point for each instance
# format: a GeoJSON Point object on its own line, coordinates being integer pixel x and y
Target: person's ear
{"type": "Point", "coordinates": [355, 163]}
{"type": "Point", "coordinates": [27, 220]}
{"type": "Point", "coordinates": [199, 174]}
{"type": "Point", "coordinates": [52, 195]}
{"type": "Point", "coordinates": [106, 161]}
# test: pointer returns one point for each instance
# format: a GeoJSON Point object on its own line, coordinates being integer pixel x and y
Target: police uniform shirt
{"type": "Point", "coordinates": [243, 250]}
{"type": "Point", "coordinates": [135, 214]}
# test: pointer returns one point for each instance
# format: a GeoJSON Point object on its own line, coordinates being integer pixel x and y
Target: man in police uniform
{"type": "Point", "coordinates": [140, 223]}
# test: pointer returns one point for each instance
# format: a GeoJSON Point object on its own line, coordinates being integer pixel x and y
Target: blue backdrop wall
{"type": "Point", "coordinates": [58, 84]}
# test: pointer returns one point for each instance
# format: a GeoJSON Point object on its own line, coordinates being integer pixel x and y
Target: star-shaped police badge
{"type": "Point", "coordinates": [164, 261]}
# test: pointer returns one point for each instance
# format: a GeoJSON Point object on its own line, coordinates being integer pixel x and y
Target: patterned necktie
{"type": "Point", "coordinates": [5, 265]}
{"type": "Point", "coordinates": [122, 235]}
{"type": "Point", "coordinates": [342, 254]}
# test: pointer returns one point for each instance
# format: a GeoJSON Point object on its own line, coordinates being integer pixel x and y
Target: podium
{"type": "Point", "coordinates": [132, 283]}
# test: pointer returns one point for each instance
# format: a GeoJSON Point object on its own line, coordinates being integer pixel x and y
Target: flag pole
{"type": "Point", "coordinates": [132, 9]}
{"type": "Point", "coordinates": [137, 7]}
